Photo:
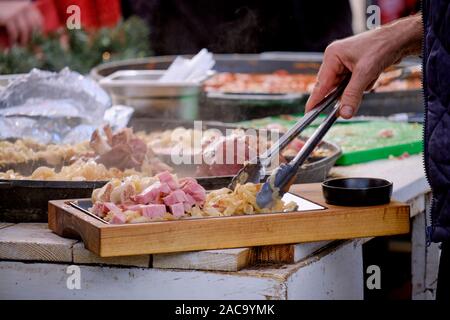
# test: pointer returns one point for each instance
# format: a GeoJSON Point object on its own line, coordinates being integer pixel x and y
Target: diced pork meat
{"type": "Point", "coordinates": [196, 191]}
{"type": "Point", "coordinates": [167, 177]}
{"type": "Point", "coordinates": [177, 210]}
{"type": "Point", "coordinates": [158, 198]}
{"type": "Point", "coordinates": [119, 218]}
{"type": "Point", "coordinates": [153, 210]}
{"type": "Point", "coordinates": [186, 180]}
{"type": "Point", "coordinates": [177, 196]}
{"type": "Point", "coordinates": [153, 193]}
{"type": "Point", "coordinates": [190, 201]}
{"type": "Point", "coordinates": [111, 207]}
{"type": "Point", "coordinates": [133, 207]}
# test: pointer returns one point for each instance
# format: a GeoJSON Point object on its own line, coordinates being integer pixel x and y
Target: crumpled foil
{"type": "Point", "coordinates": [62, 107]}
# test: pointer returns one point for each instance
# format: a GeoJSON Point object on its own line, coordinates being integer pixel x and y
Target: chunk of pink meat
{"type": "Point", "coordinates": [98, 209]}
{"type": "Point", "coordinates": [196, 191]}
{"type": "Point", "coordinates": [153, 193]}
{"type": "Point", "coordinates": [190, 201]}
{"type": "Point", "coordinates": [153, 210]}
{"type": "Point", "coordinates": [167, 177]}
{"type": "Point", "coordinates": [186, 180]}
{"type": "Point", "coordinates": [111, 207]}
{"type": "Point", "coordinates": [119, 218]}
{"type": "Point", "coordinates": [177, 210]}
{"type": "Point", "coordinates": [177, 196]}
{"type": "Point", "coordinates": [133, 207]}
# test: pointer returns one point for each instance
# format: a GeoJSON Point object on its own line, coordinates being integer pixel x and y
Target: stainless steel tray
{"type": "Point", "coordinates": [143, 83]}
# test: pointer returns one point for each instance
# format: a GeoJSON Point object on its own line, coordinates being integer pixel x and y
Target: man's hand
{"type": "Point", "coordinates": [20, 18]}
{"type": "Point", "coordinates": [366, 56]}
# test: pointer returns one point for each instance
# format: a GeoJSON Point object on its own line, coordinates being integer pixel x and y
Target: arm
{"type": "Point", "coordinates": [366, 56]}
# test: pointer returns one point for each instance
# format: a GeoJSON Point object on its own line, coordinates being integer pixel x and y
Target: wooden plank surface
{"type": "Point", "coordinates": [5, 225]}
{"type": "Point", "coordinates": [237, 259]}
{"type": "Point", "coordinates": [233, 232]}
{"type": "Point", "coordinates": [215, 260]}
{"type": "Point", "coordinates": [287, 253]}
{"type": "Point", "coordinates": [212, 260]}
{"type": "Point", "coordinates": [34, 241]}
{"type": "Point", "coordinates": [282, 253]}
{"type": "Point", "coordinates": [83, 256]}
{"type": "Point", "coordinates": [336, 273]}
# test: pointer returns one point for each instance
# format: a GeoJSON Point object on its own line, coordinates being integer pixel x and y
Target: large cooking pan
{"type": "Point", "coordinates": [26, 200]}
{"type": "Point", "coordinates": [222, 106]}
{"type": "Point", "coordinates": [238, 107]}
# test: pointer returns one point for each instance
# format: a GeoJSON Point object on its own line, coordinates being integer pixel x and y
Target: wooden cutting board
{"type": "Point", "coordinates": [332, 223]}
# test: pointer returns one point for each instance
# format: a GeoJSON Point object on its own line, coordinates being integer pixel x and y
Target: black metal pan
{"type": "Point", "coordinates": [27, 200]}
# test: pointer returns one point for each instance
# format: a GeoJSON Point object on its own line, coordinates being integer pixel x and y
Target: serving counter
{"type": "Point", "coordinates": [37, 264]}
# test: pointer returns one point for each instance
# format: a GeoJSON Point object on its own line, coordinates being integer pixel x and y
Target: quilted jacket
{"type": "Point", "coordinates": [436, 68]}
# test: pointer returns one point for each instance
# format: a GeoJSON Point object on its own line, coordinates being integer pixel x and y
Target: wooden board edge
{"type": "Point", "coordinates": [68, 222]}
{"type": "Point", "coordinates": [150, 243]}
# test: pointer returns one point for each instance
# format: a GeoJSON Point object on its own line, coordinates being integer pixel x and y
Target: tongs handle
{"type": "Point", "coordinates": [315, 138]}
{"type": "Point", "coordinates": [305, 121]}
{"type": "Point", "coordinates": [284, 176]}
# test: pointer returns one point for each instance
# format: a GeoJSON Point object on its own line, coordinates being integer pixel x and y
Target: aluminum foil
{"type": "Point", "coordinates": [62, 107]}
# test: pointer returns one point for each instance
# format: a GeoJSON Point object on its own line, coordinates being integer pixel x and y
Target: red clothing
{"type": "Point", "coordinates": [94, 13]}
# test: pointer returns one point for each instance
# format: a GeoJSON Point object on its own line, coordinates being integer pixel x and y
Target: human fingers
{"type": "Point", "coordinates": [23, 28]}
{"type": "Point", "coordinates": [353, 93]}
{"type": "Point", "coordinates": [12, 30]}
{"type": "Point", "coordinates": [329, 75]}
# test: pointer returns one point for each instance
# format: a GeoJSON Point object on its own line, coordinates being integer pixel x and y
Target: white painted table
{"type": "Point", "coordinates": [36, 264]}
{"type": "Point", "coordinates": [411, 186]}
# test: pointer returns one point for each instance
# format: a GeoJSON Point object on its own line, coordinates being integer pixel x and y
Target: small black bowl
{"type": "Point", "coordinates": [357, 192]}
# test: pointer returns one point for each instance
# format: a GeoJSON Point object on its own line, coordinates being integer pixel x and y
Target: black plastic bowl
{"type": "Point", "coordinates": [357, 192]}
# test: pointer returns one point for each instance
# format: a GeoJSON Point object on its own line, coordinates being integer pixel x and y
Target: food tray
{"type": "Point", "coordinates": [329, 223]}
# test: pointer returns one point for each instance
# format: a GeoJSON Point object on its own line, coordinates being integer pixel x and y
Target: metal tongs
{"type": "Point", "coordinates": [283, 177]}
